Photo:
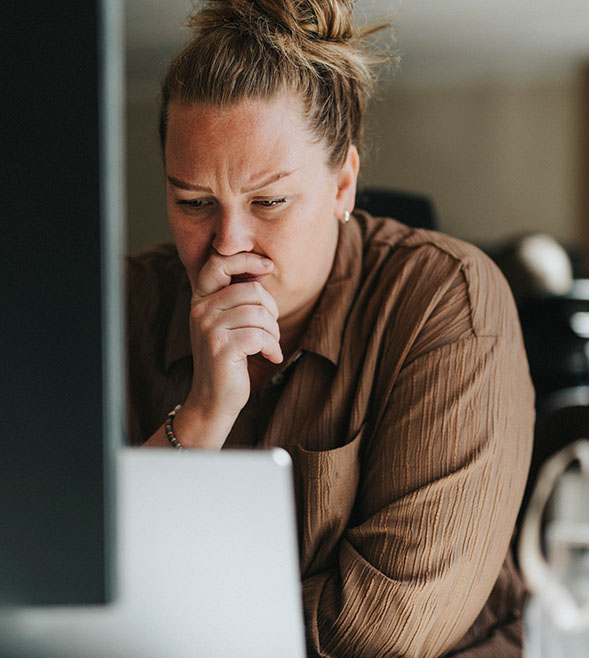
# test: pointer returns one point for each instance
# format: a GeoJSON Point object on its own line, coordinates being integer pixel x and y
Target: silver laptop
{"type": "Point", "coordinates": [207, 565]}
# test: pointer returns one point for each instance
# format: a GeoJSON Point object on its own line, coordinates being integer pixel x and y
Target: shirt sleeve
{"type": "Point", "coordinates": [443, 468]}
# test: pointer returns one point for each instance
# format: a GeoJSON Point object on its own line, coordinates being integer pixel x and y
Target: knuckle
{"type": "Point", "coordinates": [213, 261]}
{"type": "Point", "coordinates": [197, 311]}
{"type": "Point", "coordinates": [203, 318]}
{"type": "Point", "coordinates": [217, 343]}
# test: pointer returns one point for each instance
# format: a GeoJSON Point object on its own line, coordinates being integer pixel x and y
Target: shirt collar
{"type": "Point", "coordinates": [326, 326]}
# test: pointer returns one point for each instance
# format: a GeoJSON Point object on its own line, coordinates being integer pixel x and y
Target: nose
{"type": "Point", "coordinates": [232, 233]}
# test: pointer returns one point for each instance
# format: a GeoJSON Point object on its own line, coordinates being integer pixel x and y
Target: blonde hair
{"type": "Point", "coordinates": [244, 49]}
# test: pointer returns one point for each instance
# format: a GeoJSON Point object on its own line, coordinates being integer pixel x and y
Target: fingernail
{"type": "Point", "coordinates": [266, 262]}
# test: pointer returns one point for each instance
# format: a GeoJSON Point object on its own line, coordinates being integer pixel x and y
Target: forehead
{"type": "Point", "coordinates": [251, 129]}
{"type": "Point", "coordinates": [280, 115]}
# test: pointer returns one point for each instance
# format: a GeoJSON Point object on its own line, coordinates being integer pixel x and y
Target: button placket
{"type": "Point", "coordinates": [279, 377]}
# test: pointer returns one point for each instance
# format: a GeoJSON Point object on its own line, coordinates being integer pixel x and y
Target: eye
{"type": "Point", "coordinates": [270, 203]}
{"type": "Point", "coordinates": [194, 204]}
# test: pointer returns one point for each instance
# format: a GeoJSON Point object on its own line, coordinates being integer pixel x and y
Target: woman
{"type": "Point", "coordinates": [388, 361]}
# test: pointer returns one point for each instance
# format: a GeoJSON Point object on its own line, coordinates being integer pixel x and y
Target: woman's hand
{"type": "Point", "coordinates": [228, 322]}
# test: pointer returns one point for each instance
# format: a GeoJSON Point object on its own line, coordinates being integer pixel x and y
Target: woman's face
{"type": "Point", "coordinates": [249, 179]}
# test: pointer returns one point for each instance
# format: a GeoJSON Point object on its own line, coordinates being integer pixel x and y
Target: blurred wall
{"type": "Point", "coordinates": [146, 207]}
{"type": "Point", "coordinates": [497, 158]}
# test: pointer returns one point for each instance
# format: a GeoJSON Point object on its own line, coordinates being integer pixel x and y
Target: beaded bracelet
{"type": "Point", "coordinates": [170, 432]}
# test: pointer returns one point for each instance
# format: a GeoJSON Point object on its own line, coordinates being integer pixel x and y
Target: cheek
{"type": "Point", "coordinates": [307, 242]}
{"type": "Point", "coordinates": [318, 226]}
{"type": "Point", "coordinates": [193, 246]}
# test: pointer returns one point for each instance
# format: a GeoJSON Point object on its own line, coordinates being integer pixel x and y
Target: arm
{"type": "Point", "coordinates": [442, 474]}
{"type": "Point", "coordinates": [228, 323]}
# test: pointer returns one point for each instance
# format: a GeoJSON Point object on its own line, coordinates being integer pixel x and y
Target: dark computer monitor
{"type": "Point", "coordinates": [60, 363]}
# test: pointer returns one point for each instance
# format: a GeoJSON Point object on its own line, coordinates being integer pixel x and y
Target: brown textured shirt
{"type": "Point", "coordinates": [408, 412]}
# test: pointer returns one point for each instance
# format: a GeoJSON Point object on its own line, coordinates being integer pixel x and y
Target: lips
{"type": "Point", "coordinates": [243, 278]}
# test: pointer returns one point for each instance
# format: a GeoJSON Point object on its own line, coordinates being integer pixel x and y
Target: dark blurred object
{"type": "Point", "coordinates": [562, 417]}
{"type": "Point", "coordinates": [554, 313]}
{"type": "Point", "coordinates": [55, 472]}
{"type": "Point", "coordinates": [553, 309]}
{"type": "Point", "coordinates": [411, 209]}
{"type": "Point", "coordinates": [556, 333]}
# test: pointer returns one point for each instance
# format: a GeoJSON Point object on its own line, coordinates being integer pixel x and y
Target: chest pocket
{"type": "Point", "coordinates": [326, 483]}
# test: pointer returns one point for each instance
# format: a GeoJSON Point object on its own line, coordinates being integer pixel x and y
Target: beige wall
{"type": "Point", "coordinates": [497, 159]}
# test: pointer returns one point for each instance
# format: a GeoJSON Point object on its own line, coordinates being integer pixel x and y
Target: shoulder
{"type": "Point", "coordinates": [433, 269]}
{"type": "Point", "coordinates": [398, 241]}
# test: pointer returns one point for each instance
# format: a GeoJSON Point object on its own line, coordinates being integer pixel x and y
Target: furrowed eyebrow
{"type": "Point", "coordinates": [267, 181]}
{"type": "Point", "coordinates": [183, 185]}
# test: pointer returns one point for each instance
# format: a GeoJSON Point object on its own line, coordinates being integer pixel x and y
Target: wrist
{"type": "Point", "coordinates": [195, 428]}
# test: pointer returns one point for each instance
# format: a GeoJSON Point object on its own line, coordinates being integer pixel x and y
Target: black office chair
{"type": "Point", "coordinates": [412, 209]}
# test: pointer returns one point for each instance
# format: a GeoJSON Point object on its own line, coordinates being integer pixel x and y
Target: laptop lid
{"type": "Point", "coordinates": [207, 563]}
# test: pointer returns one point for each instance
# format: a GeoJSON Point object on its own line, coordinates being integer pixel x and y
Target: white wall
{"type": "Point", "coordinates": [497, 158]}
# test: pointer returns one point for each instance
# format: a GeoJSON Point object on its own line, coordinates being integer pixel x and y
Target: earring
{"type": "Point", "coordinates": [346, 216]}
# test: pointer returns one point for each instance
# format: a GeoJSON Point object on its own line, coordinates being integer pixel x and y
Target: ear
{"type": "Point", "coordinates": [346, 178]}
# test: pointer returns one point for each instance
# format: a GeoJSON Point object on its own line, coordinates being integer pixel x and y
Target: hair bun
{"type": "Point", "coordinates": [326, 19]}
{"type": "Point", "coordinates": [330, 20]}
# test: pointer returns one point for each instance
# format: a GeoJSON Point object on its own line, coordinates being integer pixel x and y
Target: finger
{"type": "Point", "coordinates": [255, 341]}
{"type": "Point", "coordinates": [240, 294]}
{"type": "Point", "coordinates": [251, 315]}
{"type": "Point", "coordinates": [216, 273]}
